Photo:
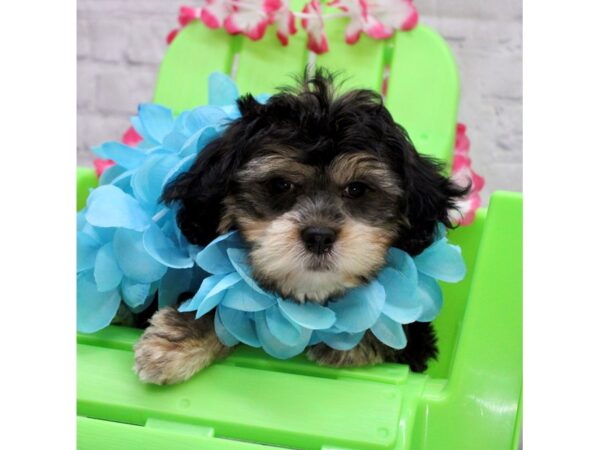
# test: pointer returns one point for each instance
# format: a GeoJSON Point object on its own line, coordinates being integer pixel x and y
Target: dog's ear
{"type": "Point", "coordinates": [201, 190]}
{"type": "Point", "coordinates": [429, 197]}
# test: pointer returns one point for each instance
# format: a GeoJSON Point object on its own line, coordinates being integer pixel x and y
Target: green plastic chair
{"type": "Point", "coordinates": [470, 399]}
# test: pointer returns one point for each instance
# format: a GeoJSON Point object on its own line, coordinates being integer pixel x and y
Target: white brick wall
{"type": "Point", "coordinates": [120, 44]}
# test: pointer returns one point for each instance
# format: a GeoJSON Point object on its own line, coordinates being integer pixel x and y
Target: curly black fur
{"type": "Point", "coordinates": [313, 118]}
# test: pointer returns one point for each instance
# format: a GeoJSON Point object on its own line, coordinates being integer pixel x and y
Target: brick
{"type": "Point", "coordinates": [147, 39]}
{"type": "Point", "coordinates": [86, 86]}
{"type": "Point", "coordinates": [504, 10]}
{"type": "Point", "coordinates": [109, 7]}
{"type": "Point", "coordinates": [121, 89]}
{"type": "Point", "coordinates": [108, 39]}
{"type": "Point", "coordinates": [478, 36]}
{"type": "Point", "coordinates": [83, 38]}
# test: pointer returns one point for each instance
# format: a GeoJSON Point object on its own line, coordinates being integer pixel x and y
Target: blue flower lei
{"type": "Point", "coordinates": [129, 248]}
{"type": "Point", "coordinates": [405, 291]}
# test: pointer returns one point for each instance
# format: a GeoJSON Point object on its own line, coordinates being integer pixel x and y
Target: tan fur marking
{"type": "Point", "coordinates": [361, 166]}
{"type": "Point", "coordinates": [279, 255]}
{"type": "Point", "coordinates": [368, 351]}
{"type": "Point", "coordinates": [228, 218]}
{"type": "Point", "coordinates": [175, 346]}
{"type": "Point", "coordinates": [275, 164]}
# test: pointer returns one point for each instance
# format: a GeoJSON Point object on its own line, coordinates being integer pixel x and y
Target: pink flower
{"type": "Point", "coordinates": [395, 14]}
{"type": "Point", "coordinates": [462, 174]}
{"type": "Point", "coordinates": [215, 12]}
{"type": "Point", "coordinates": [250, 17]}
{"type": "Point", "coordinates": [315, 28]}
{"type": "Point", "coordinates": [188, 14]}
{"type": "Point", "coordinates": [172, 35]}
{"type": "Point", "coordinates": [131, 137]}
{"type": "Point", "coordinates": [283, 18]}
{"type": "Point", "coordinates": [101, 165]}
{"type": "Point", "coordinates": [377, 18]}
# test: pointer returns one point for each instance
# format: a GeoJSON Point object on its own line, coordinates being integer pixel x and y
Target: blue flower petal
{"type": "Point", "coordinates": [164, 250]}
{"type": "Point", "coordinates": [157, 121]}
{"type": "Point", "coordinates": [213, 258]}
{"type": "Point", "coordinates": [174, 141]}
{"type": "Point", "coordinates": [232, 111]}
{"type": "Point", "coordinates": [244, 298]}
{"type": "Point", "coordinates": [263, 98]}
{"type": "Point", "coordinates": [360, 307]}
{"type": "Point", "coordinates": [283, 330]}
{"type": "Point", "coordinates": [239, 324]}
{"type": "Point", "coordinates": [183, 165]}
{"type": "Point", "coordinates": [340, 341]}
{"type": "Point", "coordinates": [308, 315]}
{"type": "Point", "coordinates": [405, 284]}
{"type": "Point", "coordinates": [87, 249]}
{"type": "Point", "coordinates": [108, 206]}
{"type": "Point", "coordinates": [134, 294]}
{"type": "Point", "coordinates": [147, 182]}
{"type": "Point", "coordinates": [133, 259]}
{"type": "Point", "coordinates": [389, 332]}
{"type": "Point", "coordinates": [442, 261]}
{"type": "Point", "coordinates": [123, 155]}
{"type": "Point", "coordinates": [225, 283]}
{"type": "Point", "coordinates": [107, 273]}
{"type": "Point", "coordinates": [206, 299]}
{"type": "Point", "coordinates": [95, 310]}
{"type": "Point", "coordinates": [238, 259]}
{"type": "Point", "coordinates": [314, 339]}
{"type": "Point", "coordinates": [222, 90]}
{"type": "Point", "coordinates": [172, 285]}
{"type": "Point", "coordinates": [204, 116]}
{"type": "Point", "coordinates": [272, 345]}
{"type": "Point", "coordinates": [401, 302]}
{"type": "Point", "coordinates": [198, 141]}
{"type": "Point", "coordinates": [123, 182]}
{"type": "Point", "coordinates": [224, 336]}
{"type": "Point", "coordinates": [110, 173]}
{"type": "Point", "coordinates": [205, 287]}
{"type": "Point", "coordinates": [430, 296]}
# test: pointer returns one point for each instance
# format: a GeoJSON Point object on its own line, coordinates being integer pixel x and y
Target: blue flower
{"type": "Point", "coordinates": [405, 291]}
{"type": "Point", "coordinates": [129, 246]}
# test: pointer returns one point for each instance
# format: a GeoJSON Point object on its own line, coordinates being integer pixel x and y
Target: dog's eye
{"type": "Point", "coordinates": [280, 186]}
{"type": "Point", "coordinates": [355, 189]}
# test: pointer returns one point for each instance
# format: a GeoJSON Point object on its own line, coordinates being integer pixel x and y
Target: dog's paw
{"type": "Point", "coordinates": [174, 347]}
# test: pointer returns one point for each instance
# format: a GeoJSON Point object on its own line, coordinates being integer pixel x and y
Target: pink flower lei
{"type": "Point", "coordinates": [378, 19]}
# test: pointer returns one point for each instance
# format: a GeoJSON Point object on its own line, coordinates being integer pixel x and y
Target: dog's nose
{"type": "Point", "coordinates": [318, 240]}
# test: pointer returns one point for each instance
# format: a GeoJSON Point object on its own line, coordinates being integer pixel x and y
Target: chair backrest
{"type": "Point", "coordinates": [422, 95]}
{"type": "Point", "coordinates": [423, 87]}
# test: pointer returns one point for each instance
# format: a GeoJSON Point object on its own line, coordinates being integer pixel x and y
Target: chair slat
{"type": "Point", "coordinates": [361, 64]}
{"type": "Point", "coordinates": [194, 54]}
{"type": "Point", "coordinates": [253, 405]}
{"type": "Point", "coordinates": [423, 91]}
{"type": "Point", "coordinates": [266, 65]}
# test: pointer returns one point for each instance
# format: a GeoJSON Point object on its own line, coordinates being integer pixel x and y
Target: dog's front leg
{"type": "Point", "coordinates": [175, 346]}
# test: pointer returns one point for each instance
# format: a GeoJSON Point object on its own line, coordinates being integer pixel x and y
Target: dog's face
{"type": "Point", "coordinates": [315, 228]}
{"type": "Point", "coordinates": [319, 185]}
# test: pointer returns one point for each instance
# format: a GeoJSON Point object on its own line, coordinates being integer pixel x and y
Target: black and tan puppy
{"type": "Point", "coordinates": [320, 185]}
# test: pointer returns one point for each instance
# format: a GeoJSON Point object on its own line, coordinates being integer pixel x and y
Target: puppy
{"type": "Point", "coordinates": [320, 185]}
